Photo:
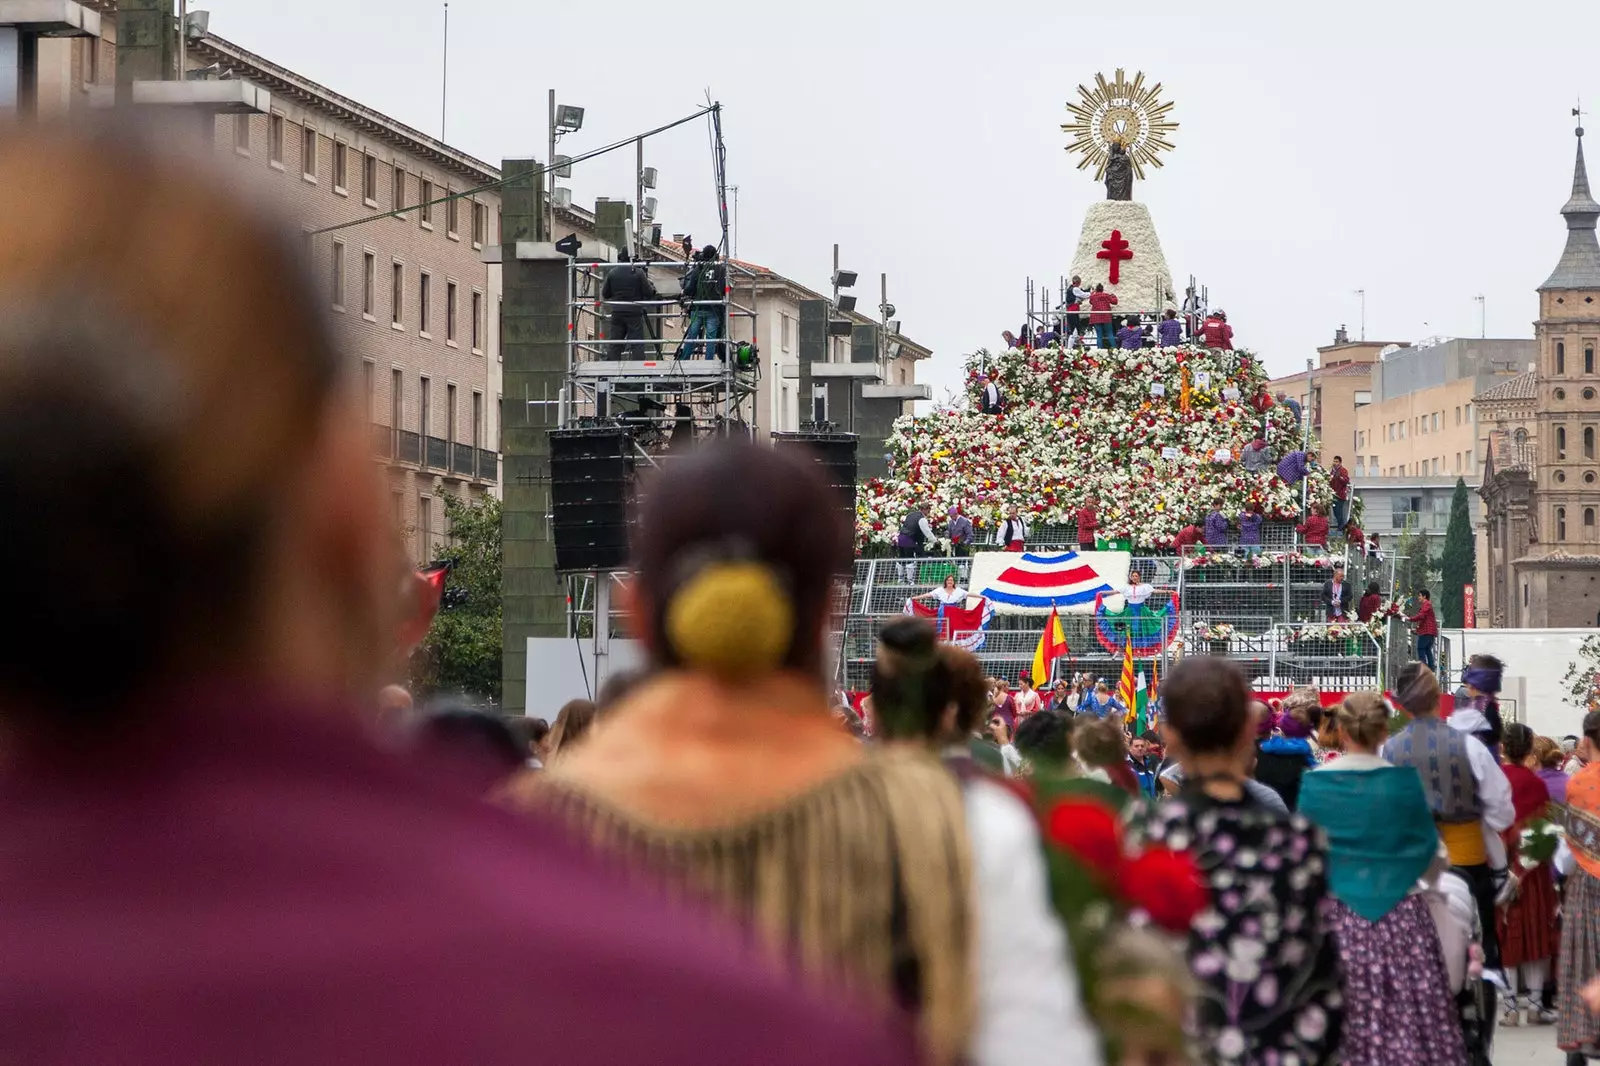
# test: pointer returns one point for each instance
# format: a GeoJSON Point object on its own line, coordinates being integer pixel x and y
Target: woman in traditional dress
{"type": "Point", "coordinates": [1527, 924]}
{"type": "Point", "coordinates": [1268, 969]}
{"type": "Point", "coordinates": [929, 696]}
{"type": "Point", "coordinates": [1578, 1026]}
{"type": "Point", "coordinates": [723, 775]}
{"type": "Point", "coordinates": [1399, 1008]}
{"type": "Point", "coordinates": [948, 593]}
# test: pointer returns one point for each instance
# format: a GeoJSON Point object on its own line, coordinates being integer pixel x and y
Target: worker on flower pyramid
{"type": "Point", "coordinates": [1215, 331]}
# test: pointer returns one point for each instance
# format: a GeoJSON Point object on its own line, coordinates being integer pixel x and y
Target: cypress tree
{"type": "Point", "coordinates": [1460, 561]}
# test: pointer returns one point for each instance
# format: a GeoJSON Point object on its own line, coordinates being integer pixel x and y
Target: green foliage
{"type": "Point", "coordinates": [1583, 674]}
{"type": "Point", "coordinates": [1417, 565]}
{"type": "Point", "coordinates": [462, 651]}
{"type": "Point", "coordinates": [1459, 563]}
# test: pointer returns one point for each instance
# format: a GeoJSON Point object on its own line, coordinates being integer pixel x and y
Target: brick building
{"type": "Point", "coordinates": [1542, 489]}
{"type": "Point", "coordinates": [411, 300]}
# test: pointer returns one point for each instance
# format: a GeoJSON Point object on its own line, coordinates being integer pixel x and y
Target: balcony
{"type": "Point", "coordinates": [437, 456]}
{"type": "Point", "coordinates": [407, 448]}
{"type": "Point", "coordinates": [404, 448]}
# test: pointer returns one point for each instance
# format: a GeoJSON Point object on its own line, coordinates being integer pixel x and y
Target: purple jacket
{"type": "Point", "coordinates": [1250, 528]}
{"type": "Point", "coordinates": [1556, 782]}
{"type": "Point", "coordinates": [1130, 337]}
{"type": "Point", "coordinates": [1292, 467]}
{"type": "Point", "coordinates": [1216, 529]}
{"type": "Point", "coordinates": [1170, 331]}
{"type": "Point", "coordinates": [246, 879]}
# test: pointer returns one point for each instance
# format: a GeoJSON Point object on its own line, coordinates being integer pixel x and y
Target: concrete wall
{"type": "Point", "coordinates": [1536, 661]}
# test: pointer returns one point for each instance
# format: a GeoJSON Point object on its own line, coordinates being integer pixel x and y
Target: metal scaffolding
{"type": "Point", "coordinates": [629, 363]}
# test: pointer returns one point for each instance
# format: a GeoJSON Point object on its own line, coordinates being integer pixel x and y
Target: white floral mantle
{"type": "Point", "coordinates": [1144, 283]}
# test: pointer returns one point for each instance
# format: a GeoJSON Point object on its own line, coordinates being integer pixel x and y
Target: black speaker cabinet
{"type": "Point", "coordinates": [835, 453]}
{"type": "Point", "coordinates": [591, 482]}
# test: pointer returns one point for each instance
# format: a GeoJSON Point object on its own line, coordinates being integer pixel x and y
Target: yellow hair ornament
{"type": "Point", "coordinates": [731, 619]}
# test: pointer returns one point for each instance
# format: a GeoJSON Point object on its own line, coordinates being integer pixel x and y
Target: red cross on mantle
{"type": "Point", "coordinates": [1116, 250]}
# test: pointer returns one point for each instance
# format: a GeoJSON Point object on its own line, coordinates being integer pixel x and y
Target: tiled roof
{"type": "Point", "coordinates": [1348, 370]}
{"type": "Point", "coordinates": [1520, 387]}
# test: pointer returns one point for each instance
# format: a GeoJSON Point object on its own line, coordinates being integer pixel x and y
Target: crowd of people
{"type": "Point", "coordinates": [225, 841]}
{"type": "Point", "coordinates": [1408, 914]}
{"type": "Point", "coordinates": [1087, 317]}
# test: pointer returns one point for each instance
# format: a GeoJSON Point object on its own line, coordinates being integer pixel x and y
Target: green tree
{"type": "Point", "coordinates": [1416, 567]}
{"type": "Point", "coordinates": [1583, 675]}
{"type": "Point", "coordinates": [462, 650]}
{"type": "Point", "coordinates": [1459, 564]}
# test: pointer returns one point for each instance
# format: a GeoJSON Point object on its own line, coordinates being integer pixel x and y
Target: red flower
{"type": "Point", "coordinates": [1166, 885]}
{"type": "Point", "coordinates": [1090, 831]}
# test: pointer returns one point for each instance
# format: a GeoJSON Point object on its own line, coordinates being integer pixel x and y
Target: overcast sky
{"type": "Point", "coordinates": [1419, 150]}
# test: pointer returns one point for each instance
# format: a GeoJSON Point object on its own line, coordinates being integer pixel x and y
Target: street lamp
{"type": "Point", "coordinates": [566, 118]}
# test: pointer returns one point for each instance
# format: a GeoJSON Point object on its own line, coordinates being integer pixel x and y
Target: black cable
{"type": "Point", "coordinates": [503, 182]}
{"type": "Point", "coordinates": [577, 640]}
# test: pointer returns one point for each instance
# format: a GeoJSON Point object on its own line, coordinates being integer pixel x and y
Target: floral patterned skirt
{"type": "Point", "coordinates": [1398, 1006]}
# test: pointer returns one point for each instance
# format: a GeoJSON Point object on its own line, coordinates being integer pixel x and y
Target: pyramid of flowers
{"type": "Point", "coordinates": [1088, 423]}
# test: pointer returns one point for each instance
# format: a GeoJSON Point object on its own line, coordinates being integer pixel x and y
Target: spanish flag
{"type": "Point", "coordinates": [1052, 645]}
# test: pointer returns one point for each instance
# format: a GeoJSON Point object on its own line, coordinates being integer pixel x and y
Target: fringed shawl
{"type": "Point", "coordinates": [863, 880]}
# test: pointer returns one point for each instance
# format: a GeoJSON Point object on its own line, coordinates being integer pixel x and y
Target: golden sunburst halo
{"type": "Point", "coordinates": [1129, 113]}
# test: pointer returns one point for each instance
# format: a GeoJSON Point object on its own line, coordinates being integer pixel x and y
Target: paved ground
{"type": "Point", "coordinates": [1531, 1046]}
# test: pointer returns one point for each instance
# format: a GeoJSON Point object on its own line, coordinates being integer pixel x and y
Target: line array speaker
{"type": "Point", "coordinates": [835, 453]}
{"type": "Point", "coordinates": [591, 481]}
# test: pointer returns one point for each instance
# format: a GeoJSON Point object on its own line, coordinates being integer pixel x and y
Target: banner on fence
{"type": "Point", "coordinates": [1067, 582]}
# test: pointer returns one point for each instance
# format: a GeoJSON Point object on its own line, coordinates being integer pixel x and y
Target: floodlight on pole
{"type": "Point", "coordinates": [844, 279]}
{"type": "Point", "coordinates": [846, 303]}
{"type": "Point", "coordinates": [647, 177]}
{"type": "Point", "coordinates": [569, 118]}
{"type": "Point", "coordinates": [563, 166]}
{"type": "Point", "coordinates": [649, 211]}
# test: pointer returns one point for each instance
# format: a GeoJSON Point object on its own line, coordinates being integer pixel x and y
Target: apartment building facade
{"type": "Point", "coordinates": [411, 299]}
{"type": "Point", "coordinates": [409, 296]}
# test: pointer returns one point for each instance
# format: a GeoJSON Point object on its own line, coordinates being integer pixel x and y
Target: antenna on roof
{"type": "Point", "coordinates": [444, 77]}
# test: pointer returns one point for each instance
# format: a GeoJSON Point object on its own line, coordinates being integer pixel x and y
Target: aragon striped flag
{"type": "Point", "coordinates": [1126, 691]}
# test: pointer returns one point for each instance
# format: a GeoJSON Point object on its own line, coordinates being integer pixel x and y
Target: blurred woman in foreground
{"type": "Point", "coordinates": [206, 859]}
{"type": "Point", "coordinates": [928, 695]}
{"type": "Point", "coordinates": [725, 775]}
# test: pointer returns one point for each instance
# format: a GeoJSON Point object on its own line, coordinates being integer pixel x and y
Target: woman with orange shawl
{"type": "Point", "coordinates": [1578, 1028]}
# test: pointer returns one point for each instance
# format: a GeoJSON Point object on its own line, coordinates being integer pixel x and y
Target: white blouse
{"type": "Point", "coordinates": [955, 595]}
{"type": "Point", "coordinates": [1029, 1010]}
{"type": "Point", "coordinates": [1137, 594]}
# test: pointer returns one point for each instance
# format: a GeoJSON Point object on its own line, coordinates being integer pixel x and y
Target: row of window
{"type": "Point", "coordinates": [1459, 463]}
{"type": "Point", "coordinates": [397, 287]}
{"type": "Point", "coordinates": [1588, 523]}
{"type": "Point", "coordinates": [428, 194]}
{"type": "Point", "coordinates": [1588, 442]}
{"type": "Point", "coordinates": [1588, 357]}
{"type": "Point", "coordinates": [1421, 425]}
{"type": "Point", "coordinates": [425, 426]}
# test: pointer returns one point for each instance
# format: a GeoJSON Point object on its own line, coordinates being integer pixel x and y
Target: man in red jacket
{"type": "Point", "coordinates": [1426, 624]}
{"type": "Point", "coordinates": [1216, 332]}
{"type": "Point", "coordinates": [1339, 481]}
{"type": "Point", "coordinates": [1189, 534]}
{"type": "Point", "coordinates": [1100, 304]}
{"type": "Point", "coordinates": [1088, 524]}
